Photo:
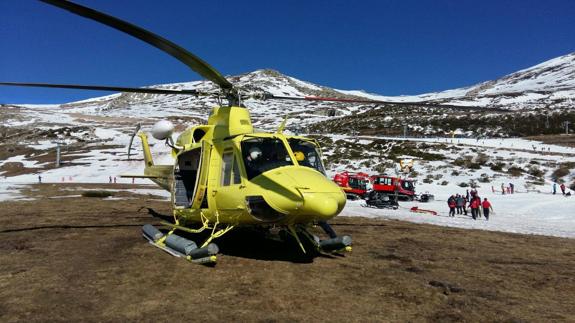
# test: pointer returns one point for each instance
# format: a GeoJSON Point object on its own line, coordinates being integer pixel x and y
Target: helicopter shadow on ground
{"type": "Point", "coordinates": [251, 243]}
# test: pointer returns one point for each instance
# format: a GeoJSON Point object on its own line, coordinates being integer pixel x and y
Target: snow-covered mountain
{"type": "Point", "coordinates": [549, 84]}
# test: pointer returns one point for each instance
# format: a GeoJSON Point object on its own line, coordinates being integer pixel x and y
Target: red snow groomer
{"type": "Point", "coordinates": [404, 187]}
{"type": "Point", "coordinates": [353, 184]}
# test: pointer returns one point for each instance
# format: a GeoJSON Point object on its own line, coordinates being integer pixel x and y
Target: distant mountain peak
{"type": "Point", "coordinates": [548, 84]}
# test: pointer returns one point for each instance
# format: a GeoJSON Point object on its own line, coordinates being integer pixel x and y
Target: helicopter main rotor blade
{"type": "Point", "coordinates": [106, 88]}
{"type": "Point", "coordinates": [365, 101]}
{"type": "Point", "coordinates": [184, 56]}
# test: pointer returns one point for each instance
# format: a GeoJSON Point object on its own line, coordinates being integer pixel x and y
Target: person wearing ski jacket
{"type": "Point", "coordinates": [460, 203]}
{"type": "Point", "coordinates": [562, 187]}
{"type": "Point", "coordinates": [474, 206]}
{"type": "Point", "coordinates": [486, 207]}
{"type": "Point", "coordinates": [451, 203]}
{"type": "Point", "coordinates": [554, 188]}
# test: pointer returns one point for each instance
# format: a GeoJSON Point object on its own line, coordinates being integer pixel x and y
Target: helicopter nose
{"type": "Point", "coordinates": [322, 206]}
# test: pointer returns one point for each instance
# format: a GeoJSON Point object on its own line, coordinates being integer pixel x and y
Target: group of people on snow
{"type": "Point", "coordinates": [562, 187]}
{"type": "Point", "coordinates": [509, 189]}
{"type": "Point", "coordinates": [460, 203]}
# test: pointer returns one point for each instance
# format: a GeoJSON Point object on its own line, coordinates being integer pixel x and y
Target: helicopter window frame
{"type": "Point", "coordinates": [236, 174]}
{"type": "Point", "coordinates": [226, 168]}
{"type": "Point", "coordinates": [315, 153]}
{"type": "Point", "coordinates": [270, 159]}
{"type": "Point", "coordinates": [230, 171]}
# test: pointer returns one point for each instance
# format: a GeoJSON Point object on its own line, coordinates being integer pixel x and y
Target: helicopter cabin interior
{"type": "Point", "coordinates": [185, 177]}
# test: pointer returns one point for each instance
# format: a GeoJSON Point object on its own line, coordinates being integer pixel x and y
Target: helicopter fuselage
{"type": "Point", "coordinates": [216, 178]}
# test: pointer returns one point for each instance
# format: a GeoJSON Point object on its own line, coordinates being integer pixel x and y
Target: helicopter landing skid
{"type": "Point", "coordinates": [332, 245]}
{"type": "Point", "coordinates": [180, 247]}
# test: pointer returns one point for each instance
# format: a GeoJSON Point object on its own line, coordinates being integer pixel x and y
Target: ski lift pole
{"type": "Point", "coordinates": [57, 154]}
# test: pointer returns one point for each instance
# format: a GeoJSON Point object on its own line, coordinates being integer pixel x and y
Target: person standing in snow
{"type": "Point", "coordinates": [465, 200]}
{"type": "Point", "coordinates": [562, 187]}
{"type": "Point", "coordinates": [554, 188]}
{"type": "Point", "coordinates": [486, 207]}
{"type": "Point", "coordinates": [512, 187]}
{"type": "Point", "coordinates": [474, 205]}
{"type": "Point", "coordinates": [467, 195]}
{"type": "Point", "coordinates": [502, 189]}
{"type": "Point", "coordinates": [459, 203]}
{"type": "Point", "coordinates": [451, 203]}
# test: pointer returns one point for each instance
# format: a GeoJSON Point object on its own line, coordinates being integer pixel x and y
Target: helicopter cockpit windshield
{"type": "Point", "coordinates": [264, 154]}
{"type": "Point", "coordinates": [306, 154]}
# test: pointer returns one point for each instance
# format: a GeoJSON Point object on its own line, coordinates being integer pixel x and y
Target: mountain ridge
{"type": "Point", "coordinates": [548, 84]}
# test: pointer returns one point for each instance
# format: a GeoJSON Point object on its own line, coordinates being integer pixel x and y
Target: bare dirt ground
{"type": "Point", "coordinates": [83, 259]}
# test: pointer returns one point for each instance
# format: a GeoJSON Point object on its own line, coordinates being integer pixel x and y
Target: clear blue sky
{"type": "Point", "coordinates": [386, 47]}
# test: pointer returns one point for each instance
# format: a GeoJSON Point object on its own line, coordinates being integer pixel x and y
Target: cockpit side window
{"type": "Point", "coordinates": [263, 154]}
{"type": "Point", "coordinates": [307, 154]}
{"type": "Point", "coordinates": [227, 160]}
{"type": "Point", "coordinates": [230, 174]}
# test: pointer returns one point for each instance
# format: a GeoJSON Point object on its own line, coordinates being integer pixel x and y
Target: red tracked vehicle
{"type": "Point", "coordinates": [383, 183]}
{"type": "Point", "coordinates": [355, 185]}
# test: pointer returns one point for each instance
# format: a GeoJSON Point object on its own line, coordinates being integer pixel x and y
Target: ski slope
{"type": "Point", "coordinates": [528, 212]}
{"type": "Point", "coordinates": [533, 212]}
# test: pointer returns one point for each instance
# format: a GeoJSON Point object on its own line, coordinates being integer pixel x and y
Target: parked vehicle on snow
{"type": "Point", "coordinates": [404, 188]}
{"type": "Point", "coordinates": [357, 185]}
{"type": "Point", "coordinates": [354, 185]}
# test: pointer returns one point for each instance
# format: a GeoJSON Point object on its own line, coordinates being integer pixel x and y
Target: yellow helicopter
{"type": "Point", "coordinates": [225, 175]}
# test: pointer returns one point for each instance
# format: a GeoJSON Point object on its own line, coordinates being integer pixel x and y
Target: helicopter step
{"type": "Point", "coordinates": [179, 246]}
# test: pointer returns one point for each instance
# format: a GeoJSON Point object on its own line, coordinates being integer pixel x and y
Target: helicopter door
{"type": "Point", "coordinates": [230, 197]}
{"type": "Point", "coordinates": [202, 178]}
{"type": "Point", "coordinates": [185, 177]}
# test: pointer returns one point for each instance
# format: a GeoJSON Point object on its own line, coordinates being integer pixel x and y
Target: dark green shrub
{"type": "Point", "coordinates": [535, 171]}
{"type": "Point", "coordinates": [97, 194]}
{"type": "Point", "coordinates": [484, 178]}
{"type": "Point", "coordinates": [497, 167]}
{"type": "Point", "coordinates": [515, 171]}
